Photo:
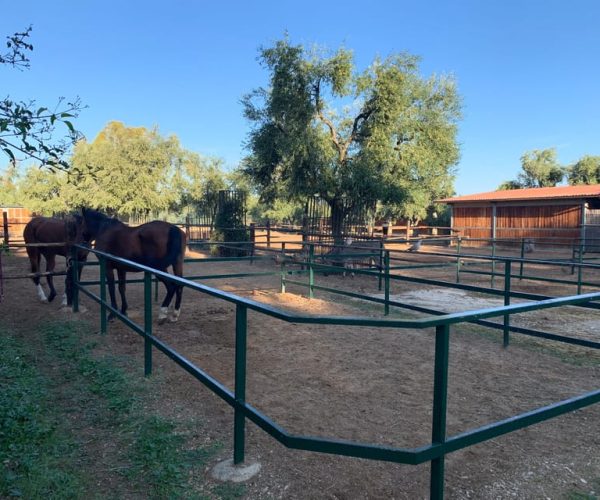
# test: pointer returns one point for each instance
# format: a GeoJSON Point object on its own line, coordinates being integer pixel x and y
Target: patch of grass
{"type": "Point", "coordinates": [38, 459]}
{"type": "Point", "coordinates": [157, 459]}
{"type": "Point", "coordinates": [229, 491]}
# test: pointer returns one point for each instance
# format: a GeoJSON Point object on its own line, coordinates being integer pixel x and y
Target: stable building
{"type": "Point", "coordinates": [564, 214]}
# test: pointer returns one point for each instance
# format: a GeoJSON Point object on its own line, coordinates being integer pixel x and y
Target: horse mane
{"type": "Point", "coordinates": [97, 221]}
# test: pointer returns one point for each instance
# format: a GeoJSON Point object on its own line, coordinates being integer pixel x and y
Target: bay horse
{"type": "Point", "coordinates": [156, 244]}
{"type": "Point", "coordinates": [41, 230]}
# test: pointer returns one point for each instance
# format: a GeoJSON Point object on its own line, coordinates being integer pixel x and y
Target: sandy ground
{"type": "Point", "coordinates": [368, 385]}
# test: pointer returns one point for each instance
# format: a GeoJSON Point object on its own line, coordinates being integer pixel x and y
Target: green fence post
{"type": "Point", "coordinates": [440, 398]}
{"type": "Point", "coordinates": [493, 262]}
{"type": "Point", "coordinates": [103, 315]}
{"type": "Point", "coordinates": [381, 250]}
{"type": "Point", "coordinates": [311, 271]}
{"type": "Point", "coordinates": [75, 279]}
{"type": "Point", "coordinates": [241, 325]}
{"type": "Point", "coordinates": [155, 290]}
{"type": "Point", "coordinates": [507, 271]}
{"type": "Point", "coordinates": [147, 323]}
{"type": "Point", "coordinates": [458, 260]}
{"type": "Point", "coordinates": [282, 267]}
{"type": "Point", "coordinates": [522, 257]}
{"type": "Point", "coordinates": [579, 270]}
{"type": "Point", "coordinates": [386, 263]}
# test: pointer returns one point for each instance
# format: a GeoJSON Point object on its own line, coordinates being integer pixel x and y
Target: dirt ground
{"type": "Point", "coordinates": [367, 385]}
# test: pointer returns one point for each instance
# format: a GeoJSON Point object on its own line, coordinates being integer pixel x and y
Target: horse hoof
{"type": "Point", "coordinates": [161, 321]}
{"type": "Point", "coordinates": [51, 297]}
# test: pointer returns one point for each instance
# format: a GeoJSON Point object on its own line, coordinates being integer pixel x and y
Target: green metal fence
{"type": "Point", "coordinates": [440, 445]}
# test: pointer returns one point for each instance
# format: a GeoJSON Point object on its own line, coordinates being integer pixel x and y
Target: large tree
{"type": "Point", "coordinates": [128, 170]}
{"type": "Point", "coordinates": [540, 168]}
{"type": "Point", "coordinates": [27, 129]}
{"type": "Point", "coordinates": [585, 171]}
{"type": "Point", "coordinates": [384, 134]}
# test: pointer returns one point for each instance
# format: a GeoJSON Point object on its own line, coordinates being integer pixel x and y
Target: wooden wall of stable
{"type": "Point", "coordinates": [519, 221]}
{"type": "Point", "coordinates": [17, 217]}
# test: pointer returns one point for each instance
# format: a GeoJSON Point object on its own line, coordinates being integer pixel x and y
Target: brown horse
{"type": "Point", "coordinates": [156, 244]}
{"type": "Point", "coordinates": [41, 230]}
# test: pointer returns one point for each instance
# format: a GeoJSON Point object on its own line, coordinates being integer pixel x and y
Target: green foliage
{"type": "Point", "coordinates": [540, 168]}
{"type": "Point", "coordinates": [229, 229]}
{"type": "Point", "coordinates": [33, 451]}
{"type": "Point", "coordinates": [585, 171]}
{"type": "Point", "coordinates": [27, 130]}
{"type": "Point", "coordinates": [9, 194]}
{"type": "Point", "coordinates": [323, 128]}
{"type": "Point", "coordinates": [278, 212]}
{"type": "Point", "coordinates": [136, 171]}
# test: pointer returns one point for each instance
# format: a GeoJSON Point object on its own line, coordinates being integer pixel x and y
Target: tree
{"type": "Point", "coordinates": [28, 130]}
{"type": "Point", "coordinates": [540, 168]}
{"type": "Point", "coordinates": [8, 186]}
{"type": "Point", "coordinates": [322, 128]}
{"type": "Point", "coordinates": [127, 170]}
{"type": "Point", "coordinates": [585, 171]}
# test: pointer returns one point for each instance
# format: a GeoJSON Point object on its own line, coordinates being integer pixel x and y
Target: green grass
{"type": "Point", "coordinates": [150, 457]}
{"type": "Point", "coordinates": [38, 459]}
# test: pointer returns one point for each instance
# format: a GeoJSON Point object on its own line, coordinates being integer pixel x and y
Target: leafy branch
{"type": "Point", "coordinates": [29, 131]}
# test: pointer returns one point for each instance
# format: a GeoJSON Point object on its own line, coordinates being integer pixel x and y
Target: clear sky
{"type": "Point", "coordinates": [528, 71]}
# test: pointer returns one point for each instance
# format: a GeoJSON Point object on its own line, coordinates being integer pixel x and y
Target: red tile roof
{"type": "Point", "coordinates": [582, 191]}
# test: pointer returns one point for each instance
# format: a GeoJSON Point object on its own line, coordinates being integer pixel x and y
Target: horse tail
{"type": "Point", "coordinates": [176, 249]}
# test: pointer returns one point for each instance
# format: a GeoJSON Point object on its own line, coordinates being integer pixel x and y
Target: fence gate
{"type": "Point", "coordinates": [357, 220]}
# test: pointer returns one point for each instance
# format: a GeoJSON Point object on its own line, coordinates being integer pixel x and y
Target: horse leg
{"type": "Point", "coordinates": [50, 264]}
{"type": "Point", "coordinates": [164, 307]}
{"type": "Point", "coordinates": [177, 271]}
{"type": "Point", "coordinates": [34, 259]}
{"type": "Point", "coordinates": [122, 276]}
{"type": "Point", "coordinates": [110, 282]}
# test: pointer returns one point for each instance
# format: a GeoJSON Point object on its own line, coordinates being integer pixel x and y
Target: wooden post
{"type": "Point", "coordinates": [252, 239]}
{"type": "Point", "coordinates": [385, 229]}
{"type": "Point", "coordinates": [5, 225]}
{"type": "Point", "coordinates": [268, 225]}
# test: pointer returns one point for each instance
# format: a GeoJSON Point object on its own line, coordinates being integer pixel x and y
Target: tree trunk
{"type": "Point", "coordinates": [337, 220]}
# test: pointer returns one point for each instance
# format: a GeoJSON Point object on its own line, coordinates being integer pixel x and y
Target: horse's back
{"type": "Point", "coordinates": [156, 244]}
{"type": "Point", "coordinates": [45, 230]}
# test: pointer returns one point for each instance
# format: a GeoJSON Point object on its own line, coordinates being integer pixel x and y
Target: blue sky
{"type": "Point", "coordinates": [528, 71]}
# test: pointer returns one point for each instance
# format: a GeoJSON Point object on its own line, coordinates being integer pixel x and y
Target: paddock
{"type": "Point", "coordinates": [371, 385]}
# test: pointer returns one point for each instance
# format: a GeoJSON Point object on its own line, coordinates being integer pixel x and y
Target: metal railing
{"type": "Point", "coordinates": [433, 452]}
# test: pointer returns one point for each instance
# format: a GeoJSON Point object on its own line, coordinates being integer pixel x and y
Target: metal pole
{"type": "Point", "coordinates": [103, 318]}
{"type": "Point", "coordinates": [493, 262]}
{"type": "Point", "coordinates": [311, 271]}
{"type": "Point", "coordinates": [241, 323]}
{"type": "Point", "coordinates": [386, 306]}
{"type": "Point", "coordinates": [147, 323]}
{"type": "Point", "coordinates": [75, 278]}
{"type": "Point", "coordinates": [580, 269]}
{"type": "Point", "coordinates": [507, 270]}
{"type": "Point", "coordinates": [282, 267]}
{"type": "Point", "coordinates": [522, 257]}
{"type": "Point", "coordinates": [381, 249]}
{"type": "Point", "coordinates": [440, 399]}
{"type": "Point", "coordinates": [458, 260]}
